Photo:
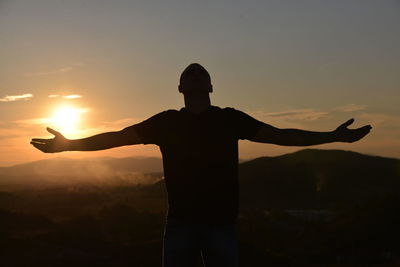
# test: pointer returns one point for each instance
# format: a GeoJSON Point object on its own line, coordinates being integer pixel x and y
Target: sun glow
{"type": "Point", "coordinates": [66, 119]}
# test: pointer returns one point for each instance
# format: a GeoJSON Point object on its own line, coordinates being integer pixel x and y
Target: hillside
{"type": "Point", "coordinates": [313, 179]}
{"type": "Point", "coordinates": [69, 222]}
{"type": "Point", "coordinates": [317, 179]}
{"type": "Point", "coordinates": [305, 179]}
{"type": "Point", "coordinates": [96, 171]}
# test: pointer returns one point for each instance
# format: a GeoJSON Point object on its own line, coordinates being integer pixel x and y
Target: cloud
{"type": "Point", "coordinates": [350, 108]}
{"type": "Point", "coordinates": [59, 70]}
{"type": "Point", "coordinates": [11, 98]}
{"type": "Point", "coordinates": [108, 126]}
{"type": "Point", "coordinates": [12, 131]}
{"type": "Point", "coordinates": [33, 121]}
{"type": "Point", "coordinates": [307, 114]}
{"type": "Point", "coordinates": [313, 118]}
{"type": "Point", "coordinates": [383, 140]}
{"type": "Point", "coordinates": [74, 96]}
{"type": "Point", "coordinates": [297, 114]}
{"type": "Point", "coordinates": [388, 121]}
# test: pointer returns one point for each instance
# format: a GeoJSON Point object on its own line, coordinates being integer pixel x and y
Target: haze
{"type": "Point", "coordinates": [293, 64]}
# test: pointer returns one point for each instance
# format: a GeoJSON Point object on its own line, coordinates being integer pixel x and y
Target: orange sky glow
{"type": "Point", "coordinates": [86, 68]}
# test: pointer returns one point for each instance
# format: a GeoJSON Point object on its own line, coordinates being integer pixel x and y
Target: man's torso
{"type": "Point", "coordinates": [200, 156]}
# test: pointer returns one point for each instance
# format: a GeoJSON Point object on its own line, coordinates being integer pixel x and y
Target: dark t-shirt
{"type": "Point", "coordinates": [200, 157]}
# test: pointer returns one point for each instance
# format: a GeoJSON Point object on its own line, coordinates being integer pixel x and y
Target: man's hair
{"type": "Point", "coordinates": [197, 65]}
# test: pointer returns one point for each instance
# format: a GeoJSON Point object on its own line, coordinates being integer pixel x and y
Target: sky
{"type": "Point", "coordinates": [85, 67]}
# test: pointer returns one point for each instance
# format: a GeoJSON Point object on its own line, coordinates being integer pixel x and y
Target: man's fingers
{"type": "Point", "coordinates": [361, 132]}
{"type": "Point", "coordinates": [366, 127]}
{"type": "Point", "coordinates": [39, 140]}
{"type": "Point", "coordinates": [54, 132]}
{"type": "Point", "coordinates": [347, 123]}
{"type": "Point", "coordinates": [41, 147]}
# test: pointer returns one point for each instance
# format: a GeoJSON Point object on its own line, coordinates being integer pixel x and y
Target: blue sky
{"type": "Point", "coordinates": [303, 64]}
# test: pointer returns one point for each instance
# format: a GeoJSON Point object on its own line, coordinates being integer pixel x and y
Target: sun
{"type": "Point", "coordinates": [66, 119]}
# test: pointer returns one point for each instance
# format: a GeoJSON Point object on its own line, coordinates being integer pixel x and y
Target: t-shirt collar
{"type": "Point", "coordinates": [210, 108]}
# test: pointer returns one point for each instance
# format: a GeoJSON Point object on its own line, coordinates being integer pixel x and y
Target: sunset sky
{"type": "Point", "coordinates": [86, 67]}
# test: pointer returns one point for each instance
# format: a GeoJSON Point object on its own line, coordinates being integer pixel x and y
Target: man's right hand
{"type": "Point", "coordinates": [57, 144]}
{"type": "Point", "coordinates": [343, 134]}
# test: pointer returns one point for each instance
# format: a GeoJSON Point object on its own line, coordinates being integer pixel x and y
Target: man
{"type": "Point", "coordinates": [199, 145]}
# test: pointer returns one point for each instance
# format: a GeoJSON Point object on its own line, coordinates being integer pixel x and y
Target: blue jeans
{"type": "Point", "coordinates": [184, 243]}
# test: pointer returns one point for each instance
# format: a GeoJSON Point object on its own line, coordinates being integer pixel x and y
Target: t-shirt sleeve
{"type": "Point", "coordinates": [243, 125]}
{"type": "Point", "coordinates": [150, 131]}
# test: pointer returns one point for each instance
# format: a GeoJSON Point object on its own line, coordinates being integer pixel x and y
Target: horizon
{"type": "Point", "coordinates": [86, 68]}
{"type": "Point", "coordinates": [241, 160]}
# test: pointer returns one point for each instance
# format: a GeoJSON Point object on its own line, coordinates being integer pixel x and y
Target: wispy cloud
{"type": "Point", "coordinates": [11, 98]}
{"type": "Point", "coordinates": [59, 70]}
{"type": "Point", "coordinates": [74, 96]}
{"type": "Point", "coordinates": [383, 139]}
{"type": "Point", "coordinates": [309, 114]}
{"type": "Point", "coordinates": [108, 126]}
{"type": "Point", "coordinates": [350, 108]}
{"type": "Point", "coordinates": [33, 121]}
{"type": "Point", "coordinates": [310, 118]}
{"type": "Point", "coordinates": [298, 114]}
{"type": "Point", "coordinates": [41, 73]}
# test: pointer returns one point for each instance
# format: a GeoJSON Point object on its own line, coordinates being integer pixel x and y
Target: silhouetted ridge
{"type": "Point", "coordinates": [304, 179]}
{"type": "Point", "coordinates": [317, 179]}
{"type": "Point", "coordinates": [93, 171]}
{"type": "Point", "coordinates": [90, 165]}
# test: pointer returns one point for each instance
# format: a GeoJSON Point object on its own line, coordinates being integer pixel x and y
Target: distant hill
{"type": "Point", "coordinates": [94, 166]}
{"type": "Point", "coordinates": [305, 179]}
{"type": "Point", "coordinates": [69, 171]}
{"type": "Point", "coordinates": [313, 178]}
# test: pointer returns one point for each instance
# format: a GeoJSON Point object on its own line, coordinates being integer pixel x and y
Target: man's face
{"type": "Point", "coordinates": [195, 79]}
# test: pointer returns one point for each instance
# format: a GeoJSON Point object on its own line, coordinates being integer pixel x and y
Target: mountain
{"type": "Point", "coordinates": [96, 166]}
{"type": "Point", "coordinates": [313, 178]}
{"type": "Point", "coordinates": [307, 179]}
{"type": "Point", "coordinates": [69, 171]}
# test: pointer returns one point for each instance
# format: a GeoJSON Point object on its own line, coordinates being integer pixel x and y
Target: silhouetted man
{"type": "Point", "coordinates": [199, 146]}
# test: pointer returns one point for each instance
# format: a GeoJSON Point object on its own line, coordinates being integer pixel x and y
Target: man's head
{"type": "Point", "coordinates": [195, 80]}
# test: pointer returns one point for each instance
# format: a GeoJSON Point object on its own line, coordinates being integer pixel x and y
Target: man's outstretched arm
{"type": "Point", "coordinates": [97, 142]}
{"type": "Point", "coordinates": [296, 137]}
